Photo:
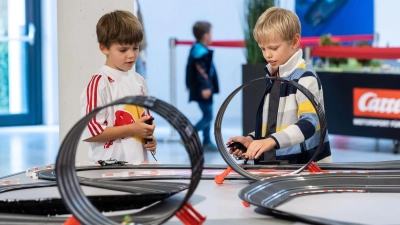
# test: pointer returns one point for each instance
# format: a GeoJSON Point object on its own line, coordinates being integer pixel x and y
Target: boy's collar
{"type": "Point", "coordinates": [114, 70]}
{"type": "Point", "coordinates": [289, 66]}
{"type": "Point", "coordinates": [114, 74]}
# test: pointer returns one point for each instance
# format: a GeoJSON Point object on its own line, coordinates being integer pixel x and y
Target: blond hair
{"type": "Point", "coordinates": [275, 23]}
{"type": "Point", "coordinates": [120, 27]}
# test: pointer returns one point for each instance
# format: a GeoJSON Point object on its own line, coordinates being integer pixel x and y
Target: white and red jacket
{"type": "Point", "coordinates": [109, 85]}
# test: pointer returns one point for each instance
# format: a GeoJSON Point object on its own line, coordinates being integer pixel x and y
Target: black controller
{"type": "Point", "coordinates": [235, 146]}
{"type": "Point", "coordinates": [149, 122]}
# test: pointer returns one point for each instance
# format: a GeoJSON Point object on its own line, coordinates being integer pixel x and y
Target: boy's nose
{"type": "Point", "coordinates": [131, 55]}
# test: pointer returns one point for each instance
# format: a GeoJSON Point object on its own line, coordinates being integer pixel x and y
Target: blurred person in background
{"type": "Point", "coordinates": [202, 80]}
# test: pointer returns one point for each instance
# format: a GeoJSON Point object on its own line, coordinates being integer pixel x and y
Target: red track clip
{"type": "Point", "coordinates": [71, 221]}
{"type": "Point", "coordinates": [219, 179]}
{"type": "Point", "coordinates": [245, 204]}
{"type": "Point", "coordinates": [313, 168]}
{"type": "Point", "coordinates": [189, 216]}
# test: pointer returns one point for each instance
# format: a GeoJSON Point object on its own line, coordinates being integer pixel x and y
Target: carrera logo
{"type": "Point", "coordinates": [380, 103]}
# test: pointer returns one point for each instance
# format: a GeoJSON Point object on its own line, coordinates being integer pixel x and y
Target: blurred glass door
{"type": "Point", "coordinates": [20, 60]}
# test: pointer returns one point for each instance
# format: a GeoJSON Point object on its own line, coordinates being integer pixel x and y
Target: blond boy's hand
{"type": "Point", "coordinates": [241, 139]}
{"type": "Point", "coordinates": [257, 147]}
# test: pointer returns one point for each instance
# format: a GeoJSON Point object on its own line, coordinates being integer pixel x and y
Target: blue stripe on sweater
{"type": "Point", "coordinates": [306, 127]}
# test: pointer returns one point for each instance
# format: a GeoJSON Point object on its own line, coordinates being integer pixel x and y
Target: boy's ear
{"type": "Point", "coordinates": [296, 41]}
{"type": "Point", "coordinates": [103, 49]}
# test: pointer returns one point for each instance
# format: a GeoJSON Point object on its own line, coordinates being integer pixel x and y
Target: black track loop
{"type": "Point", "coordinates": [67, 181]}
{"type": "Point", "coordinates": [218, 121]}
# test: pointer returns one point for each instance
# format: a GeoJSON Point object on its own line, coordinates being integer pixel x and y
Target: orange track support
{"type": "Point", "coordinates": [189, 216]}
{"type": "Point", "coordinates": [219, 179]}
{"type": "Point", "coordinates": [313, 168]}
{"type": "Point", "coordinates": [245, 204]}
{"type": "Point", "coordinates": [72, 221]}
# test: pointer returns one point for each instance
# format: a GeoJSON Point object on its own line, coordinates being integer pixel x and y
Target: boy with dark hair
{"type": "Point", "coordinates": [202, 80]}
{"type": "Point", "coordinates": [118, 132]}
{"type": "Point", "coordinates": [288, 127]}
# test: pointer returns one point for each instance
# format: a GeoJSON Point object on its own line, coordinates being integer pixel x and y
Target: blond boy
{"type": "Point", "coordinates": [295, 134]}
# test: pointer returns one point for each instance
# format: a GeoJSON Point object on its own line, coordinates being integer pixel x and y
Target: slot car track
{"type": "Point", "coordinates": [176, 172]}
{"type": "Point", "coordinates": [264, 193]}
{"type": "Point", "coordinates": [271, 192]}
{"type": "Point", "coordinates": [314, 180]}
{"type": "Point", "coordinates": [141, 195]}
{"type": "Point", "coordinates": [45, 210]}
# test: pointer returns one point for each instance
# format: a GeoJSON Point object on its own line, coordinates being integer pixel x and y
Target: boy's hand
{"type": "Point", "coordinates": [151, 145]}
{"type": "Point", "coordinates": [257, 147]}
{"type": "Point", "coordinates": [245, 141]}
{"type": "Point", "coordinates": [141, 129]}
{"type": "Point", "coordinates": [206, 93]}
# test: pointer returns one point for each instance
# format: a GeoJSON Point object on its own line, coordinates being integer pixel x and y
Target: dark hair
{"type": "Point", "coordinates": [120, 27]}
{"type": "Point", "coordinates": [200, 28]}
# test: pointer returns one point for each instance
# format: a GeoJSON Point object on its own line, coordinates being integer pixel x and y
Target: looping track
{"type": "Point", "coordinates": [68, 183]}
{"type": "Point", "coordinates": [218, 121]}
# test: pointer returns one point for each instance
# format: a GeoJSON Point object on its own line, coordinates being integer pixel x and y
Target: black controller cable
{"type": "Point", "coordinates": [218, 121]}
{"type": "Point", "coordinates": [66, 177]}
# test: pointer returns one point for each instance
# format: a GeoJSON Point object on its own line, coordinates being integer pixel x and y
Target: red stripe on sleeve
{"type": "Point", "coordinates": [88, 94]}
{"type": "Point", "coordinates": [94, 127]}
{"type": "Point", "coordinates": [98, 126]}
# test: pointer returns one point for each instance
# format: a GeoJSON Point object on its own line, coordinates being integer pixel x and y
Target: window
{"type": "Point", "coordinates": [20, 63]}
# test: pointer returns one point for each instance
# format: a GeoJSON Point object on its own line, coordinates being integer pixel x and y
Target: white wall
{"type": "Point", "coordinates": [78, 55]}
{"type": "Point", "coordinates": [387, 15]}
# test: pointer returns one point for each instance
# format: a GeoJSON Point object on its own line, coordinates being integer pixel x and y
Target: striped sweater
{"type": "Point", "coordinates": [297, 130]}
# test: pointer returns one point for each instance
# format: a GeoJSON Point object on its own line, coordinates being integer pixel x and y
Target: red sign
{"type": "Point", "coordinates": [377, 103]}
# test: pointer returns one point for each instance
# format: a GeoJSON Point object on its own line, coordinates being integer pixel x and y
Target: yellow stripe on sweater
{"type": "Point", "coordinates": [263, 130]}
{"type": "Point", "coordinates": [307, 107]}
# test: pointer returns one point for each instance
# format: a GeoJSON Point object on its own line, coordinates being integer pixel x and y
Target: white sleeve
{"type": "Point", "coordinates": [93, 96]}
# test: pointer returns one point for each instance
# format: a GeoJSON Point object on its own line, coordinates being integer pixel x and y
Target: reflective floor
{"type": "Point", "coordinates": [25, 147]}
